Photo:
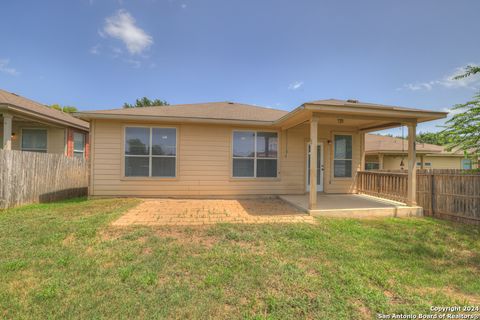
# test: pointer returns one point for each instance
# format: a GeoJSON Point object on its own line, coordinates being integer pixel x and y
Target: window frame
{"type": "Point", "coordinates": [334, 134]}
{"type": "Point", "coordinates": [372, 162]}
{"type": "Point", "coordinates": [84, 144]}
{"type": "Point", "coordinates": [254, 158]}
{"type": "Point", "coordinates": [34, 150]}
{"type": "Point", "coordinates": [150, 156]}
{"type": "Point", "coordinates": [470, 162]}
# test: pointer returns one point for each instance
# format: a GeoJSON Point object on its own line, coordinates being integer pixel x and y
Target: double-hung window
{"type": "Point", "coordinates": [78, 145]}
{"type": "Point", "coordinates": [150, 152]}
{"type": "Point", "coordinates": [255, 154]}
{"type": "Point", "coordinates": [342, 166]}
{"type": "Point", "coordinates": [34, 140]}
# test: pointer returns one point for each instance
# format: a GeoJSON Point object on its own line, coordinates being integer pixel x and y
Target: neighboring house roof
{"type": "Point", "coordinates": [31, 108]}
{"type": "Point", "coordinates": [230, 112]}
{"type": "Point", "coordinates": [375, 143]}
{"type": "Point", "coordinates": [211, 110]}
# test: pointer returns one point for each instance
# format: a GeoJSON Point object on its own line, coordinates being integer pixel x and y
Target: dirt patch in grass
{"type": "Point", "coordinates": [453, 294]}
{"type": "Point", "coordinates": [188, 236]}
{"type": "Point", "coordinates": [363, 311]}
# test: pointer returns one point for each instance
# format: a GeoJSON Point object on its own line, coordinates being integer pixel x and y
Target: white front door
{"type": "Point", "coordinates": [319, 166]}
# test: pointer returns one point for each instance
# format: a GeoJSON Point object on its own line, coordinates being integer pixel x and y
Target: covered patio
{"type": "Point", "coordinates": [352, 206]}
{"type": "Point", "coordinates": [337, 130]}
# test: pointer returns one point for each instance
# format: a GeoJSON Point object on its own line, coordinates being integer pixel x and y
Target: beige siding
{"type": "Point", "coordinates": [204, 164]}
{"type": "Point", "coordinates": [439, 162]}
{"type": "Point", "coordinates": [392, 162]}
{"type": "Point", "coordinates": [55, 136]}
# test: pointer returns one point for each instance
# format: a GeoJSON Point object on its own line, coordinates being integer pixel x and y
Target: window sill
{"type": "Point", "coordinates": [343, 179]}
{"type": "Point", "coordinates": [249, 179]}
{"type": "Point", "coordinates": [149, 179]}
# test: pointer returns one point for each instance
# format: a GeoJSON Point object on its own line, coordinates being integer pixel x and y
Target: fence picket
{"type": "Point", "coordinates": [28, 177]}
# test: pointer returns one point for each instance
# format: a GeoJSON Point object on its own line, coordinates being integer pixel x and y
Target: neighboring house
{"type": "Point", "coordinates": [231, 149]}
{"type": "Point", "coordinates": [387, 153]}
{"type": "Point", "coordinates": [30, 126]}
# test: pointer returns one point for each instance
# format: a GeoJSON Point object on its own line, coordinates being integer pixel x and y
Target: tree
{"type": "Point", "coordinates": [433, 138]}
{"type": "Point", "coordinates": [469, 71]}
{"type": "Point", "coordinates": [146, 102]}
{"type": "Point", "coordinates": [463, 129]}
{"type": "Point", "coordinates": [66, 109]}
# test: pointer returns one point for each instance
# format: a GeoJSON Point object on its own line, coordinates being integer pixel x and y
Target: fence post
{"type": "Point", "coordinates": [432, 193]}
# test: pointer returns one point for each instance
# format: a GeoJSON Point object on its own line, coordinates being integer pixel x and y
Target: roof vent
{"type": "Point", "coordinates": [352, 101]}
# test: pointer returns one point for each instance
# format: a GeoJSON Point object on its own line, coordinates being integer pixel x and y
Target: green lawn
{"type": "Point", "coordinates": [63, 260]}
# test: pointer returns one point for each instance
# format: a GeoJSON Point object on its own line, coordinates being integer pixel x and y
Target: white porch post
{"type": "Point", "coordinates": [412, 165]}
{"type": "Point", "coordinates": [312, 203]}
{"type": "Point", "coordinates": [7, 131]}
{"type": "Point", "coordinates": [362, 151]}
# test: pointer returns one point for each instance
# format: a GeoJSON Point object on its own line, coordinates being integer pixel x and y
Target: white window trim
{"type": "Point", "coordinates": [351, 159]}
{"type": "Point", "coordinates": [84, 144]}
{"type": "Point", "coordinates": [150, 155]}
{"type": "Point", "coordinates": [33, 149]}
{"type": "Point", "coordinates": [254, 158]}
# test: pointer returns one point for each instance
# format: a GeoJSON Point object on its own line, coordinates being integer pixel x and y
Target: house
{"type": "Point", "coordinates": [387, 153]}
{"type": "Point", "coordinates": [232, 150]}
{"type": "Point", "coordinates": [30, 126]}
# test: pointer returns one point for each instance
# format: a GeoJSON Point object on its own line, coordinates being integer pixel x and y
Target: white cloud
{"type": "Point", "coordinates": [122, 26]}
{"type": "Point", "coordinates": [447, 81]}
{"type": "Point", "coordinates": [95, 49]}
{"type": "Point", "coordinates": [452, 112]}
{"type": "Point", "coordinates": [295, 85]}
{"type": "Point", "coordinates": [5, 68]}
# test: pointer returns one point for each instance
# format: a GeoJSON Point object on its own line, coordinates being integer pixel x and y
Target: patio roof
{"type": "Point", "coordinates": [29, 108]}
{"type": "Point", "coordinates": [365, 116]}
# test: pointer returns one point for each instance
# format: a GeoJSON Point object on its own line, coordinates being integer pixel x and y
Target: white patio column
{"type": "Point", "coordinates": [412, 166]}
{"type": "Point", "coordinates": [7, 131]}
{"type": "Point", "coordinates": [312, 203]}
{"type": "Point", "coordinates": [362, 151]}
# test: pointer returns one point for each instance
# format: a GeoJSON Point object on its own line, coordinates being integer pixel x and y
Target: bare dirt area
{"type": "Point", "coordinates": [211, 211]}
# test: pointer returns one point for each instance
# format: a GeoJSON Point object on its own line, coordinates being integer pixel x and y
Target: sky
{"type": "Point", "coordinates": [99, 54]}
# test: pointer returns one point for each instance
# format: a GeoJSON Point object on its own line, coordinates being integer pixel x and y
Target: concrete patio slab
{"type": "Point", "coordinates": [353, 206]}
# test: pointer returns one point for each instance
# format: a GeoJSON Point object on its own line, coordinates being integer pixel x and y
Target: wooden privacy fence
{"type": "Point", "coordinates": [450, 194]}
{"type": "Point", "coordinates": [443, 193]}
{"type": "Point", "coordinates": [29, 177]}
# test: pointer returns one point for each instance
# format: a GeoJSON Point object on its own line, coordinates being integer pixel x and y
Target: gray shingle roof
{"type": "Point", "coordinates": [12, 99]}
